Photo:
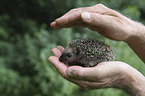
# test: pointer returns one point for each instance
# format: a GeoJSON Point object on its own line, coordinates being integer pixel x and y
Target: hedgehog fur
{"type": "Point", "coordinates": [86, 53]}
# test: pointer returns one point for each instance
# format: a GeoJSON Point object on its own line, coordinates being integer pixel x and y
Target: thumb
{"type": "Point", "coordinates": [95, 19]}
{"type": "Point", "coordinates": [75, 71]}
{"type": "Point", "coordinates": [83, 73]}
{"type": "Point", "coordinates": [99, 72]}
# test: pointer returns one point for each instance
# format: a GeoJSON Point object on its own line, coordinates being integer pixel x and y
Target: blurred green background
{"type": "Point", "coordinates": [26, 40]}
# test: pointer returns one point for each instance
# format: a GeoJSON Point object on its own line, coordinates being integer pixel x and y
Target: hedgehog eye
{"type": "Point", "coordinates": [70, 55]}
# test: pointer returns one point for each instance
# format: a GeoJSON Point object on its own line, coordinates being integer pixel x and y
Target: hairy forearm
{"type": "Point", "coordinates": [132, 82]}
{"type": "Point", "coordinates": [136, 83]}
{"type": "Point", "coordinates": [137, 41]}
{"type": "Point", "coordinates": [138, 87]}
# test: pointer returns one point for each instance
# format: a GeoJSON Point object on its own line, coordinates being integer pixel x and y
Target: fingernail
{"type": "Point", "coordinates": [53, 23]}
{"type": "Point", "coordinates": [86, 15]}
{"type": "Point", "coordinates": [71, 73]}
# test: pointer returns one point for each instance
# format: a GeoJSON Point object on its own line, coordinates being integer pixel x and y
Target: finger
{"type": "Point", "coordinates": [74, 15]}
{"type": "Point", "coordinates": [79, 23]}
{"type": "Point", "coordinates": [54, 25]}
{"type": "Point", "coordinates": [56, 52]}
{"type": "Point", "coordinates": [66, 19]}
{"type": "Point", "coordinates": [72, 24]}
{"type": "Point", "coordinates": [81, 73]}
{"type": "Point", "coordinates": [76, 25]}
{"type": "Point", "coordinates": [93, 19]}
{"type": "Point", "coordinates": [100, 72]}
{"type": "Point", "coordinates": [60, 48]}
{"type": "Point", "coordinates": [61, 67]}
{"type": "Point", "coordinates": [96, 19]}
{"type": "Point", "coordinates": [62, 70]}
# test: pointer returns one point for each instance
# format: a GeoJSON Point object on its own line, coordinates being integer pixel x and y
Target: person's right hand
{"type": "Point", "coordinates": [107, 22]}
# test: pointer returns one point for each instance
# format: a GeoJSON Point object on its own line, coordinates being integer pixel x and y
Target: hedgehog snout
{"type": "Point", "coordinates": [62, 58]}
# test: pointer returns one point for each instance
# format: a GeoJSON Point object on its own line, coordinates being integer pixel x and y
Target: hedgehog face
{"type": "Point", "coordinates": [68, 55]}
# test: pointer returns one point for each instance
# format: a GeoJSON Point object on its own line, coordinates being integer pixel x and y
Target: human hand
{"type": "Point", "coordinates": [106, 74]}
{"type": "Point", "coordinates": [107, 22]}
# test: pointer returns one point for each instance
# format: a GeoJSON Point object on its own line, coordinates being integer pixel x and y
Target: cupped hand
{"type": "Point", "coordinates": [107, 22]}
{"type": "Point", "coordinates": [105, 74]}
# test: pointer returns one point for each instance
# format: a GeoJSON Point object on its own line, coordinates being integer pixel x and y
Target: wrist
{"type": "Point", "coordinates": [133, 82]}
{"type": "Point", "coordinates": [136, 34]}
{"type": "Point", "coordinates": [136, 40]}
{"type": "Point", "coordinates": [137, 84]}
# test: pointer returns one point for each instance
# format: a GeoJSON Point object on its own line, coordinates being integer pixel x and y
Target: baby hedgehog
{"type": "Point", "coordinates": [86, 53]}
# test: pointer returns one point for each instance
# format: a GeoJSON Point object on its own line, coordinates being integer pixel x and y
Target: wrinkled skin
{"type": "Point", "coordinates": [114, 74]}
{"type": "Point", "coordinates": [108, 23]}
{"type": "Point", "coordinates": [112, 25]}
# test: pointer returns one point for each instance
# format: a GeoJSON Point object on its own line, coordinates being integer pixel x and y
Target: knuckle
{"type": "Point", "coordinates": [53, 49]}
{"type": "Point", "coordinates": [100, 5]}
{"type": "Point", "coordinates": [80, 73]}
{"type": "Point", "coordinates": [64, 76]}
{"type": "Point", "coordinates": [76, 9]}
{"type": "Point", "coordinates": [86, 85]}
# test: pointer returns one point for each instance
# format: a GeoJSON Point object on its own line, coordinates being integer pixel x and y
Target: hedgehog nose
{"type": "Point", "coordinates": [62, 58]}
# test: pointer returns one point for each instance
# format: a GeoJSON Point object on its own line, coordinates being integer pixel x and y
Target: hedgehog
{"type": "Point", "coordinates": [86, 53]}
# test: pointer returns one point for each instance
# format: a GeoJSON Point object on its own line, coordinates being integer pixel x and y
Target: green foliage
{"type": "Point", "coordinates": [26, 43]}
